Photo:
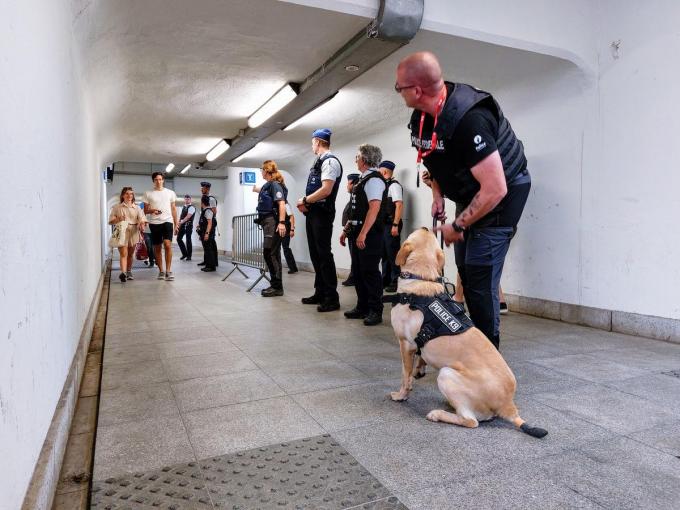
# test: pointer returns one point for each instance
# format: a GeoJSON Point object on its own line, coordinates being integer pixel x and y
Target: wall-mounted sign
{"type": "Point", "coordinates": [246, 178]}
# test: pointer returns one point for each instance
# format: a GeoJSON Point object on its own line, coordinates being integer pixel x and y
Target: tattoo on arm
{"type": "Point", "coordinates": [469, 212]}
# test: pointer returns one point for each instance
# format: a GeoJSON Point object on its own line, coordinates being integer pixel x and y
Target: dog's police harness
{"type": "Point", "coordinates": [441, 314]}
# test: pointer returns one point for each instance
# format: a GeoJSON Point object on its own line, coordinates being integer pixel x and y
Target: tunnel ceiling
{"type": "Point", "coordinates": [168, 78]}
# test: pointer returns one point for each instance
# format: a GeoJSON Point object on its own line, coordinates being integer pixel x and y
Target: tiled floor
{"type": "Point", "coordinates": [199, 368]}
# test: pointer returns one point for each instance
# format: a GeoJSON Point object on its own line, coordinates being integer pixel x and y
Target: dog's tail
{"type": "Point", "coordinates": [513, 417]}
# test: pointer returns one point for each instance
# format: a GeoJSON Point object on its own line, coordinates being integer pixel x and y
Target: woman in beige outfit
{"type": "Point", "coordinates": [127, 210]}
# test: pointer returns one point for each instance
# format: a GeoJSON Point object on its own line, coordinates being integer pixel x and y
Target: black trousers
{"type": "Point", "coordinates": [210, 251]}
{"type": "Point", "coordinates": [185, 246]}
{"type": "Point", "coordinates": [287, 252]}
{"type": "Point", "coordinates": [480, 258]}
{"type": "Point", "coordinates": [366, 267]}
{"type": "Point", "coordinates": [390, 247]}
{"type": "Point", "coordinates": [319, 224]}
{"type": "Point", "coordinates": [271, 250]}
{"type": "Point", "coordinates": [350, 277]}
{"type": "Point", "coordinates": [149, 248]}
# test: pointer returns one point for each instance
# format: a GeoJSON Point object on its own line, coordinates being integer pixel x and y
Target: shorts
{"type": "Point", "coordinates": [160, 232]}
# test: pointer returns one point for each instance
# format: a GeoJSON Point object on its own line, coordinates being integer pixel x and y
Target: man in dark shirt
{"type": "Point", "coordinates": [475, 159]}
{"type": "Point", "coordinates": [351, 179]}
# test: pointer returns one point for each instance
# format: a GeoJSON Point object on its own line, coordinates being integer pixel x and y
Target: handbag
{"type": "Point", "coordinates": [119, 235]}
{"type": "Point", "coordinates": [140, 251]}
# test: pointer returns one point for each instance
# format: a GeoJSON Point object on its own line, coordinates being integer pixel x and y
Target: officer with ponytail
{"type": "Point", "coordinates": [271, 212]}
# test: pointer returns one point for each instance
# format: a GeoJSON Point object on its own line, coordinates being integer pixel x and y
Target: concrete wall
{"type": "Point", "coordinates": [50, 243]}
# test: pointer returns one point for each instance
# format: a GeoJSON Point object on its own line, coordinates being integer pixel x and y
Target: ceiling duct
{"type": "Point", "coordinates": [396, 24]}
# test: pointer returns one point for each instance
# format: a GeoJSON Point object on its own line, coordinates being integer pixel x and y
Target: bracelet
{"type": "Point", "coordinates": [282, 222]}
{"type": "Point", "coordinates": [457, 227]}
{"type": "Point", "coordinates": [395, 224]}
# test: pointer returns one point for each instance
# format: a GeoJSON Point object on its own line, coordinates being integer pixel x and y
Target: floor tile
{"type": "Point", "coordinates": [194, 347]}
{"type": "Point", "coordinates": [207, 365]}
{"type": "Point", "coordinates": [137, 403]}
{"type": "Point", "coordinates": [314, 376]}
{"type": "Point", "coordinates": [125, 375]}
{"type": "Point", "coordinates": [590, 368]}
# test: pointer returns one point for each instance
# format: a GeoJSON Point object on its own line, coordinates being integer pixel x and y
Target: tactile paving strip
{"type": "Point", "coordinates": [314, 473]}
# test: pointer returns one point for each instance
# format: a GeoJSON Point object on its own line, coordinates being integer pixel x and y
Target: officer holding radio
{"type": "Point", "coordinates": [271, 215]}
{"type": "Point", "coordinates": [318, 205]}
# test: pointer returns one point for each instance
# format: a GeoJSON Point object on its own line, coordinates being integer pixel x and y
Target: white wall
{"type": "Point", "coordinates": [50, 246]}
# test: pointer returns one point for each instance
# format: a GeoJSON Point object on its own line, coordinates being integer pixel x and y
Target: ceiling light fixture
{"type": "Point", "coordinates": [242, 156]}
{"type": "Point", "coordinates": [352, 68]}
{"type": "Point", "coordinates": [186, 169]}
{"type": "Point", "coordinates": [169, 168]}
{"type": "Point", "coordinates": [296, 123]}
{"type": "Point", "coordinates": [284, 96]}
{"type": "Point", "coordinates": [218, 150]}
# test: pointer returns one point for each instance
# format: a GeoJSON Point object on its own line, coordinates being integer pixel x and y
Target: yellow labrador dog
{"type": "Point", "coordinates": [473, 376]}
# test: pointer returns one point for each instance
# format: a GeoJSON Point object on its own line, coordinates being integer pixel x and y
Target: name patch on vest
{"type": "Point", "coordinates": [445, 316]}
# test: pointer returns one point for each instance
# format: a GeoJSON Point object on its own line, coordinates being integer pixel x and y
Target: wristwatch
{"type": "Point", "coordinates": [395, 224]}
{"type": "Point", "coordinates": [457, 227]}
{"type": "Point", "coordinates": [282, 222]}
{"type": "Point", "coordinates": [304, 201]}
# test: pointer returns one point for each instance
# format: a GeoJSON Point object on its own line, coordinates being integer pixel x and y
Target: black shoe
{"type": "Point", "coordinates": [504, 308]}
{"type": "Point", "coordinates": [188, 259]}
{"type": "Point", "coordinates": [349, 282]}
{"type": "Point", "coordinates": [311, 300]}
{"type": "Point", "coordinates": [151, 264]}
{"type": "Point", "coordinates": [328, 306]}
{"type": "Point", "coordinates": [372, 319]}
{"type": "Point", "coordinates": [201, 264]}
{"type": "Point", "coordinates": [355, 313]}
{"type": "Point", "coordinates": [271, 292]}
{"type": "Point", "coordinates": [208, 269]}
{"type": "Point", "coordinates": [391, 288]}
{"type": "Point", "coordinates": [292, 271]}
{"type": "Point", "coordinates": [146, 262]}
{"type": "Point", "coordinates": [182, 257]}
{"type": "Point", "coordinates": [122, 277]}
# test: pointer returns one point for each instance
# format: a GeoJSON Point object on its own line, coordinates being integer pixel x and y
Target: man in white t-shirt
{"type": "Point", "coordinates": [159, 206]}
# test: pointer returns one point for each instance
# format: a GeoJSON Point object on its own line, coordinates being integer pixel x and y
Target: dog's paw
{"type": "Point", "coordinates": [433, 415]}
{"type": "Point", "coordinates": [399, 396]}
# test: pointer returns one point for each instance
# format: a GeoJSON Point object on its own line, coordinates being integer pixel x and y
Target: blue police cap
{"type": "Point", "coordinates": [205, 184]}
{"type": "Point", "coordinates": [323, 134]}
{"type": "Point", "coordinates": [353, 177]}
{"type": "Point", "coordinates": [387, 164]}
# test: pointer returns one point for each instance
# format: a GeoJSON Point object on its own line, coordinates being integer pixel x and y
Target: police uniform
{"type": "Point", "coordinates": [319, 223]}
{"type": "Point", "coordinates": [213, 205]}
{"type": "Point", "coordinates": [470, 127]}
{"type": "Point", "coordinates": [186, 229]}
{"type": "Point", "coordinates": [390, 244]}
{"type": "Point", "coordinates": [366, 262]}
{"type": "Point", "coordinates": [349, 282]}
{"type": "Point", "coordinates": [268, 200]}
{"type": "Point", "coordinates": [209, 246]}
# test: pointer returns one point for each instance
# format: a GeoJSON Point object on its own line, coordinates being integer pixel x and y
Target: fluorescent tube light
{"type": "Point", "coordinates": [169, 168]}
{"type": "Point", "coordinates": [296, 123]}
{"type": "Point", "coordinates": [217, 151]}
{"type": "Point", "coordinates": [243, 156]}
{"type": "Point", "coordinates": [275, 103]}
{"type": "Point", "coordinates": [186, 169]}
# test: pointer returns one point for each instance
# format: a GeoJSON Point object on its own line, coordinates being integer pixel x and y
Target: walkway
{"type": "Point", "coordinates": [213, 397]}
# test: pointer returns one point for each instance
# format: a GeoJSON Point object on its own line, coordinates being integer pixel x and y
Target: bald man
{"type": "Point", "coordinates": [473, 158]}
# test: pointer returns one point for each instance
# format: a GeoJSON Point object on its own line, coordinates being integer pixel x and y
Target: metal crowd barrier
{"type": "Point", "coordinates": [246, 247]}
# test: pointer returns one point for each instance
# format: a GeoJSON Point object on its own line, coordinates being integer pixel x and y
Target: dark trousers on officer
{"type": "Point", "coordinates": [210, 250]}
{"type": "Point", "coordinates": [319, 224]}
{"type": "Point", "coordinates": [184, 246]}
{"type": "Point", "coordinates": [480, 258]}
{"type": "Point", "coordinates": [287, 252]}
{"type": "Point", "coordinates": [271, 250]}
{"type": "Point", "coordinates": [366, 267]}
{"type": "Point", "coordinates": [390, 247]}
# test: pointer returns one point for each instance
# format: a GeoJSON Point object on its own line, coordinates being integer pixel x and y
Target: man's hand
{"type": "Point", "coordinates": [343, 239]}
{"type": "Point", "coordinates": [450, 235]}
{"type": "Point", "coordinates": [426, 178]}
{"type": "Point", "coordinates": [361, 241]}
{"type": "Point", "coordinates": [301, 206]}
{"type": "Point", "coordinates": [176, 229]}
{"type": "Point", "coordinates": [292, 232]}
{"type": "Point", "coordinates": [281, 229]}
{"type": "Point", "coordinates": [438, 208]}
{"type": "Point", "coordinates": [206, 236]}
{"type": "Point", "coordinates": [394, 231]}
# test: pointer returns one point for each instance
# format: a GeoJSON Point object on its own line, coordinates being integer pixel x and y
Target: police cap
{"type": "Point", "coordinates": [323, 134]}
{"type": "Point", "coordinates": [387, 164]}
{"type": "Point", "coordinates": [353, 177]}
{"type": "Point", "coordinates": [205, 184]}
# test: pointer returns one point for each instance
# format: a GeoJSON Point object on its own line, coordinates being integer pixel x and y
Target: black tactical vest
{"type": "Point", "coordinates": [459, 184]}
{"type": "Point", "coordinates": [314, 183]}
{"type": "Point", "coordinates": [388, 207]}
{"type": "Point", "coordinates": [358, 201]}
{"type": "Point", "coordinates": [185, 211]}
{"type": "Point", "coordinates": [203, 223]}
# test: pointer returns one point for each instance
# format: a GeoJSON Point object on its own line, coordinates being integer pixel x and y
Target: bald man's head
{"type": "Point", "coordinates": [421, 69]}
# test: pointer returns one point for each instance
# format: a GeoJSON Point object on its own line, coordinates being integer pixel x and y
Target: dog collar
{"type": "Point", "coordinates": [410, 276]}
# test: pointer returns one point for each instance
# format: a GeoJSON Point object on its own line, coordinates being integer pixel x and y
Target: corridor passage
{"type": "Point", "coordinates": [213, 397]}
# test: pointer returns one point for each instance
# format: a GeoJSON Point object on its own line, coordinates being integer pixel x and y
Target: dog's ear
{"type": "Point", "coordinates": [403, 253]}
{"type": "Point", "coordinates": [440, 258]}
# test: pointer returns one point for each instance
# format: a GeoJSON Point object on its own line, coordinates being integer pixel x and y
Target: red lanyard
{"type": "Point", "coordinates": [433, 142]}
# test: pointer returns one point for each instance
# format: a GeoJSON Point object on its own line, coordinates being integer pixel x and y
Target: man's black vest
{"type": "Point", "coordinates": [388, 207]}
{"type": "Point", "coordinates": [203, 224]}
{"type": "Point", "coordinates": [314, 183]}
{"type": "Point", "coordinates": [358, 201]}
{"type": "Point", "coordinates": [190, 222]}
{"type": "Point", "coordinates": [458, 184]}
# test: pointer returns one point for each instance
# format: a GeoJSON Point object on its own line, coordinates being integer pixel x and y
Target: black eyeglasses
{"type": "Point", "coordinates": [398, 88]}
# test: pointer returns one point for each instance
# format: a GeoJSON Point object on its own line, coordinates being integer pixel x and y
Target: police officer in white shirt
{"type": "Point", "coordinates": [392, 208]}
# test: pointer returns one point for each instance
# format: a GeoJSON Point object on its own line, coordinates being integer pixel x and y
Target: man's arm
{"type": "Point", "coordinates": [398, 207]}
{"type": "Point", "coordinates": [173, 210]}
{"type": "Point", "coordinates": [489, 173]}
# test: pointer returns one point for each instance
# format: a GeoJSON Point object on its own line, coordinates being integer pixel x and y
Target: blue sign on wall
{"type": "Point", "coordinates": [246, 178]}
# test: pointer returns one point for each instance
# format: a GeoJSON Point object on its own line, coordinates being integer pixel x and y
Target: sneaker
{"type": "Point", "coordinates": [122, 277]}
{"type": "Point", "coordinates": [504, 308]}
{"type": "Point", "coordinates": [169, 277]}
{"type": "Point", "coordinates": [161, 275]}
{"type": "Point", "coordinates": [349, 282]}
{"type": "Point", "coordinates": [372, 319]}
{"type": "Point", "coordinates": [355, 313]}
{"type": "Point", "coordinates": [311, 300]}
{"type": "Point", "coordinates": [129, 275]}
{"type": "Point", "coordinates": [328, 306]}
{"type": "Point", "coordinates": [271, 292]}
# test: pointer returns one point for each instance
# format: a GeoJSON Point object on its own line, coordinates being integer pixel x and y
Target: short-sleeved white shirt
{"type": "Point", "coordinates": [373, 188]}
{"type": "Point", "coordinates": [191, 210]}
{"type": "Point", "coordinates": [395, 192]}
{"type": "Point", "coordinates": [330, 168]}
{"type": "Point", "coordinates": [209, 214]}
{"type": "Point", "coordinates": [164, 200]}
{"type": "Point", "coordinates": [213, 201]}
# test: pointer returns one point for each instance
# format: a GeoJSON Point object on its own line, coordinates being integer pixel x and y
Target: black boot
{"type": "Point", "coordinates": [355, 313]}
{"type": "Point", "coordinates": [372, 319]}
{"type": "Point", "coordinates": [329, 305]}
{"type": "Point", "coordinates": [311, 300]}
